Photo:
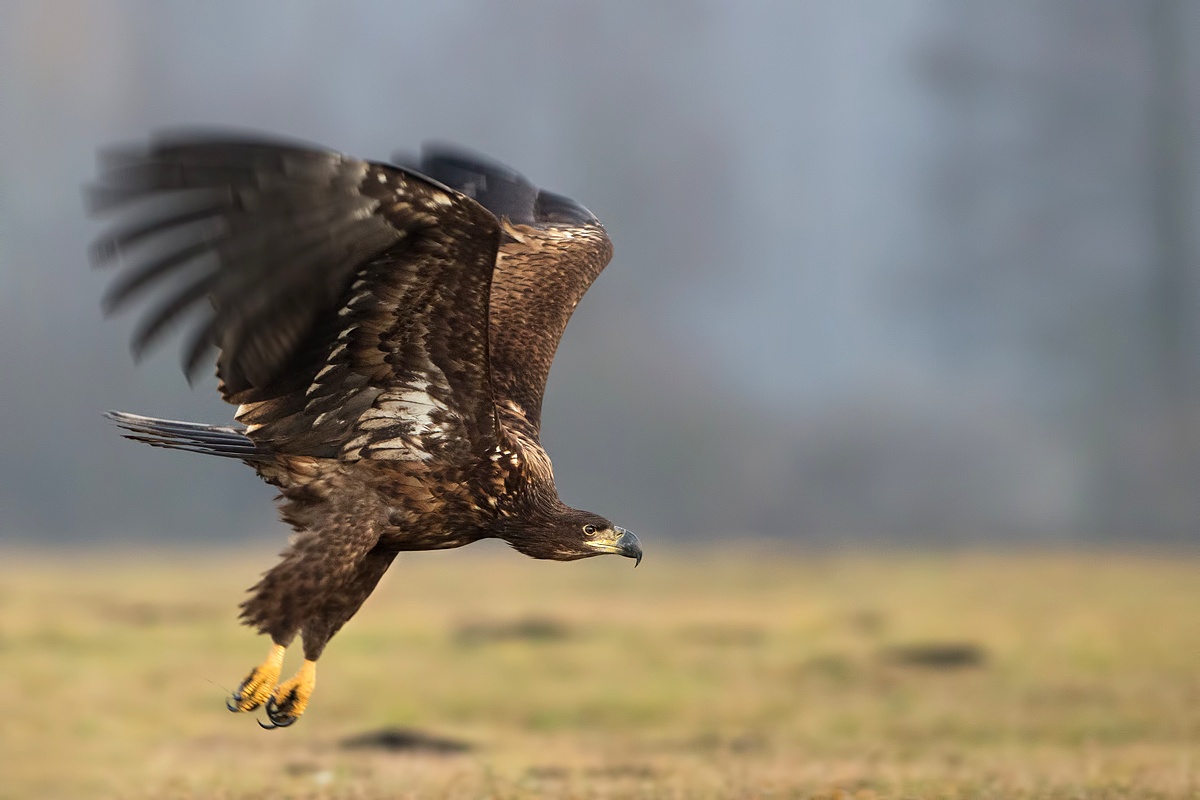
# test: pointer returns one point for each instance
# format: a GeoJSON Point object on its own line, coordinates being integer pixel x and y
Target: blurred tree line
{"type": "Point", "coordinates": [922, 269]}
{"type": "Point", "coordinates": [1052, 290]}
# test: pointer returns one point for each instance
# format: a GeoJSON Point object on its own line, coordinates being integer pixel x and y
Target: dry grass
{"type": "Point", "coordinates": [699, 675]}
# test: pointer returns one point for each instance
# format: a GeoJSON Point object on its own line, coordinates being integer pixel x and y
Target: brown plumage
{"type": "Point", "coordinates": [386, 333]}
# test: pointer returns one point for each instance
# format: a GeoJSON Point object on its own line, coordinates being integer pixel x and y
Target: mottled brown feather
{"type": "Point", "coordinates": [541, 275]}
{"type": "Point", "coordinates": [551, 251]}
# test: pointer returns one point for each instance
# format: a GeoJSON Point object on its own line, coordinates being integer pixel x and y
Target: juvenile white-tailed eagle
{"type": "Point", "coordinates": [385, 332]}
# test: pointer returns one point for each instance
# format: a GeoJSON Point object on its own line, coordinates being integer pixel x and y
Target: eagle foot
{"type": "Point", "coordinates": [257, 687]}
{"type": "Point", "coordinates": [291, 698]}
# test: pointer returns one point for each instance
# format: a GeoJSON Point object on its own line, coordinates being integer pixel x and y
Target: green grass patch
{"type": "Point", "coordinates": [480, 673]}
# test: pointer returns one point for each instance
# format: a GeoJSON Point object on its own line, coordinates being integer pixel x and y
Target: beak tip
{"type": "Point", "coordinates": [630, 546]}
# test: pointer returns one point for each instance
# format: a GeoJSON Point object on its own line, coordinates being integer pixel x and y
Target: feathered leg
{"type": "Point", "coordinates": [314, 572]}
{"type": "Point", "coordinates": [321, 626]}
{"type": "Point", "coordinates": [291, 698]}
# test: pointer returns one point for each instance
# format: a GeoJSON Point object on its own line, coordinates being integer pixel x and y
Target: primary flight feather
{"type": "Point", "coordinates": [385, 332]}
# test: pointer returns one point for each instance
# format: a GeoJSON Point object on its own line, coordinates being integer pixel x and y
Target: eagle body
{"type": "Point", "coordinates": [385, 332]}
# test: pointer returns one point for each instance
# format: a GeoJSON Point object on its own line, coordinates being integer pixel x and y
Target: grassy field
{"type": "Point", "coordinates": [480, 674]}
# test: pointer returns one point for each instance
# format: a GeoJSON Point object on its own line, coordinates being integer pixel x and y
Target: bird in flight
{"type": "Point", "coordinates": [385, 332]}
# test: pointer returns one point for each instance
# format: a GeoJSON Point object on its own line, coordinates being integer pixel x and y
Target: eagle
{"type": "Point", "coordinates": [385, 331]}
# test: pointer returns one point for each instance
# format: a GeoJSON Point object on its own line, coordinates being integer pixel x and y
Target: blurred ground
{"type": "Point", "coordinates": [479, 673]}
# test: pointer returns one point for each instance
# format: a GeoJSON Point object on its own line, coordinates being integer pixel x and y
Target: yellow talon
{"type": "Point", "coordinates": [257, 687]}
{"type": "Point", "coordinates": [291, 697]}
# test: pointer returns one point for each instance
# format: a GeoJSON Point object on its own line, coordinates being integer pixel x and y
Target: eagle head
{"type": "Point", "coordinates": [571, 534]}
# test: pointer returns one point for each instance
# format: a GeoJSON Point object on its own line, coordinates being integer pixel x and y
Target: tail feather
{"type": "Point", "coordinates": [193, 437]}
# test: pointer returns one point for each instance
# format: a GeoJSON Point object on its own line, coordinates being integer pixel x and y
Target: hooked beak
{"type": "Point", "coordinates": [623, 543]}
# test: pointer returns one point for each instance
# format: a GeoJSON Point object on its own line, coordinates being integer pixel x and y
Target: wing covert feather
{"type": "Point", "coordinates": [551, 250]}
{"type": "Point", "coordinates": [343, 293]}
{"type": "Point", "coordinates": [541, 275]}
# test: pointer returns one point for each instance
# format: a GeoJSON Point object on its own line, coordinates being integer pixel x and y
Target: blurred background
{"type": "Point", "coordinates": [906, 270]}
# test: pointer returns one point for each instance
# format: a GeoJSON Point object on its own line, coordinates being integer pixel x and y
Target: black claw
{"type": "Point", "coordinates": [279, 718]}
{"type": "Point", "coordinates": [238, 696]}
{"type": "Point", "coordinates": [265, 726]}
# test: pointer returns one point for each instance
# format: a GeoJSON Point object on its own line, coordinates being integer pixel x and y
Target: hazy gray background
{"type": "Point", "coordinates": [905, 269]}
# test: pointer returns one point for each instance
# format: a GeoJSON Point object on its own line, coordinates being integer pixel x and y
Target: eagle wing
{"type": "Point", "coordinates": [551, 250]}
{"type": "Point", "coordinates": [348, 300]}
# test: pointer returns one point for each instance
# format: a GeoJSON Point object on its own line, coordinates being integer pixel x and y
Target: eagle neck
{"type": "Point", "coordinates": [538, 528]}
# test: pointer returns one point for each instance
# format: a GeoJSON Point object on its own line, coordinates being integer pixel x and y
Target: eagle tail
{"type": "Point", "coordinates": [194, 437]}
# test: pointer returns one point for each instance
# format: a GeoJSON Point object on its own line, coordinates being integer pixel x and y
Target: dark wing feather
{"type": "Point", "coordinates": [494, 186]}
{"type": "Point", "coordinates": [343, 292]}
{"type": "Point", "coordinates": [551, 251]}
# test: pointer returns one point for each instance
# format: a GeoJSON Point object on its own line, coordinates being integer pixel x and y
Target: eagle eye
{"type": "Point", "coordinates": [590, 530]}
